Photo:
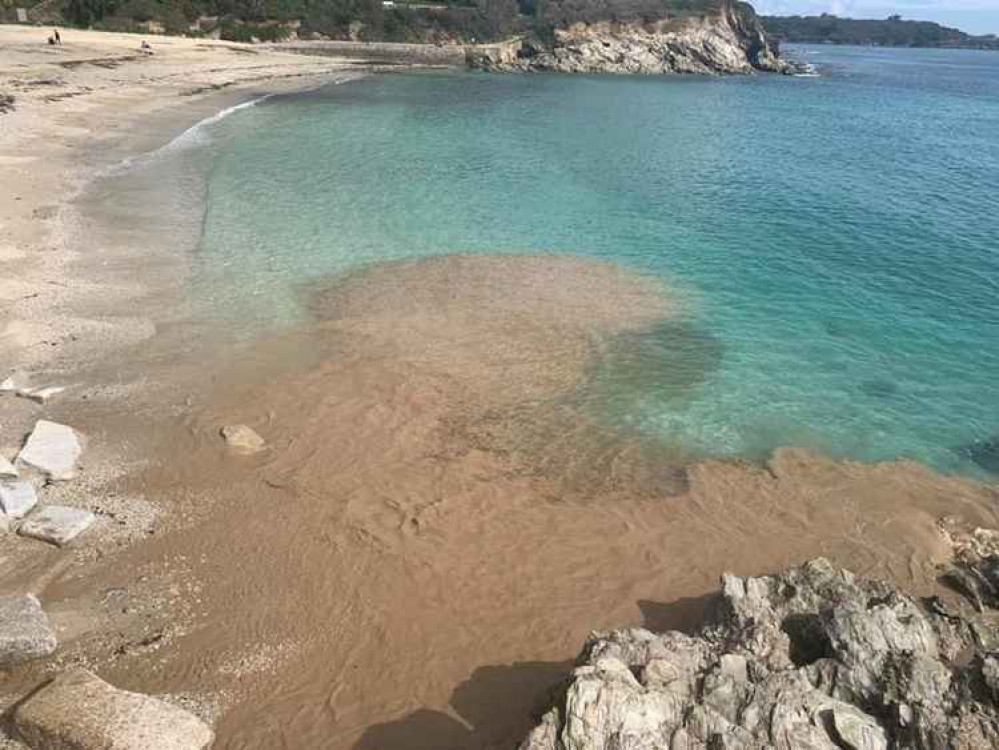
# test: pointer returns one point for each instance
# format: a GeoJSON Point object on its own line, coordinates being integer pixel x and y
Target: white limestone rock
{"type": "Point", "coordinates": [17, 498]}
{"type": "Point", "coordinates": [79, 711]}
{"type": "Point", "coordinates": [52, 449]}
{"type": "Point", "coordinates": [7, 469]}
{"type": "Point", "coordinates": [25, 631]}
{"type": "Point", "coordinates": [41, 395]}
{"type": "Point", "coordinates": [56, 524]}
{"type": "Point", "coordinates": [12, 383]}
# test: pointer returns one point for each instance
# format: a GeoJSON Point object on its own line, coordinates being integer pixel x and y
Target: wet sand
{"type": "Point", "coordinates": [439, 520]}
{"type": "Point", "coordinates": [441, 515]}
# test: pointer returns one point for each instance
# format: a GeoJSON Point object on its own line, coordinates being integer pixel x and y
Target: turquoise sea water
{"type": "Point", "coordinates": [836, 239]}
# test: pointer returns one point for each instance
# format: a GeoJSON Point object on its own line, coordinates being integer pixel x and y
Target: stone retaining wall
{"type": "Point", "coordinates": [381, 52]}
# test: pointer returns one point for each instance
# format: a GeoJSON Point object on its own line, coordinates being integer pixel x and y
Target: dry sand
{"type": "Point", "coordinates": [438, 520]}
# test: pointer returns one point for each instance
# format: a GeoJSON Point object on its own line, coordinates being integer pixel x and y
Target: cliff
{"type": "Point", "coordinates": [812, 659]}
{"type": "Point", "coordinates": [728, 40]}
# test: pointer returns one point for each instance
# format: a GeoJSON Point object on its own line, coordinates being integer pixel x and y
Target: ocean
{"type": "Point", "coordinates": [832, 242]}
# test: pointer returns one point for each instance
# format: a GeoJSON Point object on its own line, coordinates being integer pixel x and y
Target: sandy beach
{"type": "Point", "coordinates": [82, 107]}
{"type": "Point", "coordinates": [423, 544]}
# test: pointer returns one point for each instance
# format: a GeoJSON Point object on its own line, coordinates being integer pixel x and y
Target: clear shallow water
{"type": "Point", "coordinates": [836, 239]}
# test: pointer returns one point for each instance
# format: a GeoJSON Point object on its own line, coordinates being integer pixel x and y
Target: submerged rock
{"type": "Point", "coordinates": [52, 449]}
{"type": "Point", "coordinates": [56, 524]}
{"type": "Point", "coordinates": [812, 659]}
{"type": "Point", "coordinates": [25, 631]}
{"type": "Point", "coordinates": [985, 453]}
{"type": "Point", "coordinates": [242, 439]}
{"type": "Point", "coordinates": [79, 711]}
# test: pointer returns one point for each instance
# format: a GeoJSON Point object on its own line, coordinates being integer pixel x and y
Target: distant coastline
{"type": "Point", "coordinates": [890, 32]}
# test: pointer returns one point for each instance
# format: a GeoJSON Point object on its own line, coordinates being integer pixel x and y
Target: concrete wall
{"type": "Point", "coordinates": [381, 52]}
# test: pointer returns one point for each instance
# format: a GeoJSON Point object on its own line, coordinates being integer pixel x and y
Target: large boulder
{"type": "Point", "coordinates": [812, 659]}
{"type": "Point", "coordinates": [79, 711]}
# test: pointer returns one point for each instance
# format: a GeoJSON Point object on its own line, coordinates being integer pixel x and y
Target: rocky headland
{"type": "Point", "coordinates": [814, 658]}
{"type": "Point", "coordinates": [728, 40]}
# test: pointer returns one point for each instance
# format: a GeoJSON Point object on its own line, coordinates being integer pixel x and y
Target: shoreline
{"type": "Point", "coordinates": [73, 310]}
{"type": "Point", "coordinates": [72, 123]}
{"type": "Point", "coordinates": [407, 576]}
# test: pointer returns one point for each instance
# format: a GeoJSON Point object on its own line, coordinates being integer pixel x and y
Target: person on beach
{"type": "Point", "coordinates": [145, 47]}
{"type": "Point", "coordinates": [55, 35]}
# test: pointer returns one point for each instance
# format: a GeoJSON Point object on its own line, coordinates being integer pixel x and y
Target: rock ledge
{"type": "Point", "coordinates": [811, 659]}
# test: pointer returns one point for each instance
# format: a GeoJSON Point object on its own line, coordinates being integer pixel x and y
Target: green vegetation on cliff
{"type": "Point", "coordinates": [366, 20]}
{"type": "Point", "coordinates": [891, 32]}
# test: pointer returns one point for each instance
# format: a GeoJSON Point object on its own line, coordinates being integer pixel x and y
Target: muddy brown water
{"type": "Point", "coordinates": [439, 520]}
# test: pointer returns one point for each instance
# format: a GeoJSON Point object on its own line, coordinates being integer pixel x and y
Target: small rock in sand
{"type": "Point", "coordinates": [41, 395]}
{"type": "Point", "coordinates": [56, 524]}
{"type": "Point", "coordinates": [17, 498]}
{"type": "Point", "coordinates": [242, 439]}
{"type": "Point", "coordinates": [52, 449]}
{"type": "Point", "coordinates": [12, 384]}
{"type": "Point", "coordinates": [79, 711]}
{"type": "Point", "coordinates": [25, 631]}
{"type": "Point", "coordinates": [7, 468]}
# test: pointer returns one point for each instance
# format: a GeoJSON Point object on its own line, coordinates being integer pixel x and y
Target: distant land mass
{"type": "Point", "coordinates": [890, 32]}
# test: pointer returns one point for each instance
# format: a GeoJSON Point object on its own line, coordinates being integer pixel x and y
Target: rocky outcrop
{"type": "Point", "coordinates": [732, 40]}
{"type": "Point", "coordinates": [811, 659]}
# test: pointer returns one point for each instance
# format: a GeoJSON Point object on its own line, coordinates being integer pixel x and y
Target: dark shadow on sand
{"type": "Point", "coordinates": [498, 706]}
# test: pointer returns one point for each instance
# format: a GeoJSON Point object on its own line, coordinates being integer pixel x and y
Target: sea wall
{"type": "Point", "coordinates": [381, 52]}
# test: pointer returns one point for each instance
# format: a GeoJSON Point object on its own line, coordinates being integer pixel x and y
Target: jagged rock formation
{"type": "Point", "coordinates": [811, 659]}
{"type": "Point", "coordinates": [732, 40]}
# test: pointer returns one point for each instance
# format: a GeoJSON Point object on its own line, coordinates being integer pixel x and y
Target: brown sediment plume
{"type": "Point", "coordinates": [439, 520]}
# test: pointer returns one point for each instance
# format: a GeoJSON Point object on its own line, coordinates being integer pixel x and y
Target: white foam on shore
{"type": "Point", "coordinates": [194, 136]}
{"type": "Point", "coordinates": [197, 134]}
